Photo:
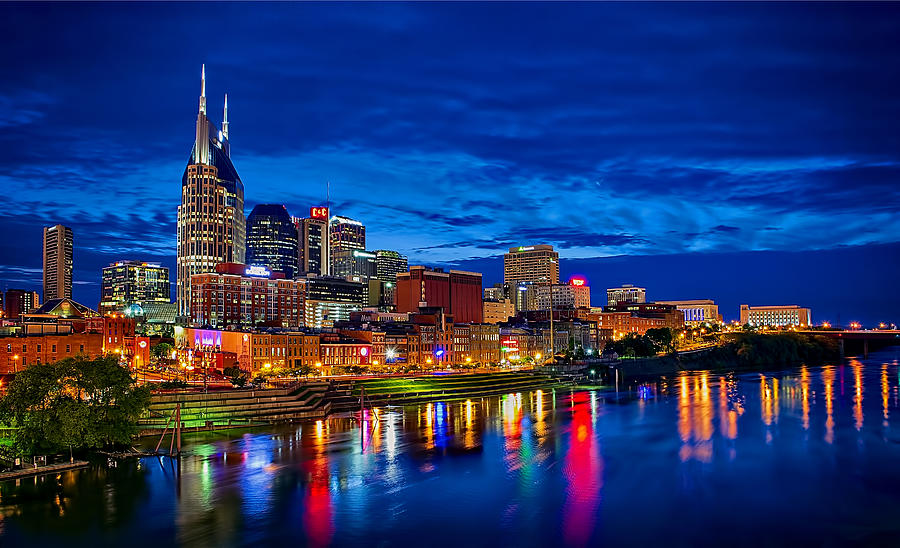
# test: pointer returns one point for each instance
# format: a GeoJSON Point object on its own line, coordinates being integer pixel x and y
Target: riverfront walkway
{"type": "Point", "coordinates": [41, 470]}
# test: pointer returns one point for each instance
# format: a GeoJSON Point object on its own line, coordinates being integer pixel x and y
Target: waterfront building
{"type": "Point", "coordinates": [20, 301]}
{"type": "Point", "coordinates": [776, 316]}
{"type": "Point", "coordinates": [498, 311]}
{"type": "Point", "coordinates": [455, 292]}
{"type": "Point", "coordinates": [627, 293]}
{"type": "Point", "coordinates": [575, 294]}
{"type": "Point", "coordinates": [211, 225]}
{"type": "Point", "coordinates": [484, 343]}
{"type": "Point", "coordinates": [238, 295]}
{"type": "Point", "coordinates": [272, 239]}
{"type": "Point", "coordinates": [128, 282]}
{"type": "Point", "coordinates": [697, 311]}
{"type": "Point", "coordinates": [537, 264]}
{"type": "Point", "coordinates": [58, 262]}
{"type": "Point", "coordinates": [314, 252]}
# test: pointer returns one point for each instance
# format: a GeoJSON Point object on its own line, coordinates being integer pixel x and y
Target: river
{"type": "Point", "coordinates": [808, 456]}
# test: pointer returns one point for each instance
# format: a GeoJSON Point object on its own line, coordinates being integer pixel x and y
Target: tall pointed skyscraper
{"type": "Point", "coordinates": [211, 223]}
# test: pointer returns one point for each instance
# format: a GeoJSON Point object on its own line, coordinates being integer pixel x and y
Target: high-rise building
{"type": "Point", "coordinates": [127, 282]}
{"type": "Point", "coordinates": [272, 239]}
{"type": "Point", "coordinates": [347, 233]}
{"type": "Point", "coordinates": [20, 301]}
{"type": "Point", "coordinates": [776, 316]}
{"type": "Point", "coordinates": [211, 223]}
{"type": "Point", "coordinates": [58, 250]}
{"type": "Point", "coordinates": [537, 264]}
{"type": "Point", "coordinates": [314, 242]}
{"type": "Point", "coordinates": [455, 292]}
{"type": "Point", "coordinates": [625, 294]}
{"type": "Point", "coordinates": [387, 265]}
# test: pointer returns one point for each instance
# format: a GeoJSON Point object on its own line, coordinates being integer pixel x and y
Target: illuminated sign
{"type": "Point", "coordinates": [318, 212]}
{"type": "Point", "coordinates": [258, 271]}
{"type": "Point", "coordinates": [578, 281]}
{"type": "Point", "coordinates": [364, 351]}
{"type": "Point", "coordinates": [529, 248]}
{"type": "Point", "coordinates": [143, 344]}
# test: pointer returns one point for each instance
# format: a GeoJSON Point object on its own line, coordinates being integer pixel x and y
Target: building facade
{"type": "Point", "coordinates": [242, 296]}
{"type": "Point", "coordinates": [330, 299]}
{"type": "Point", "coordinates": [498, 311]}
{"type": "Point", "coordinates": [211, 225]}
{"type": "Point", "coordinates": [697, 311]}
{"type": "Point", "coordinates": [59, 244]}
{"type": "Point", "coordinates": [627, 293]}
{"type": "Point", "coordinates": [455, 292]}
{"type": "Point", "coordinates": [776, 316]}
{"type": "Point", "coordinates": [537, 264]}
{"type": "Point", "coordinates": [20, 301]}
{"type": "Point", "coordinates": [272, 239]}
{"type": "Point", "coordinates": [127, 282]}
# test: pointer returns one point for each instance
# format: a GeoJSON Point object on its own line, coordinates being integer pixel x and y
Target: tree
{"type": "Point", "coordinates": [162, 351]}
{"type": "Point", "coordinates": [74, 403]}
{"type": "Point", "coordinates": [236, 376]}
{"type": "Point", "coordinates": [663, 338]}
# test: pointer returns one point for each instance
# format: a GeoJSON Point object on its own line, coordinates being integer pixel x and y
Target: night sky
{"type": "Point", "coordinates": [748, 153]}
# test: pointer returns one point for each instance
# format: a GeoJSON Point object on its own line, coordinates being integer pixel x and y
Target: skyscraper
{"type": "Point", "coordinates": [314, 242]}
{"type": "Point", "coordinates": [272, 239]}
{"type": "Point", "coordinates": [537, 264]}
{"type": "Point", "coordinates": [58, 246]}
{"type": "Point", "coordinates": [387, 265]}
{"type": "Point", "coordinates": [211, 224]}
{"type": "Point", "coordinates": [128, 282]}
{"type": "Point", "coordinates": [347, 233]}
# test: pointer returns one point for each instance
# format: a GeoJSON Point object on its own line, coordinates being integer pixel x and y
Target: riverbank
{"type": "Point", "coordinates": [739, 352]}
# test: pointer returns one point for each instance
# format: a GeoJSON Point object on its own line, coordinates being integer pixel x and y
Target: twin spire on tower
{"type": "Point", "coordinates": [203, 101]}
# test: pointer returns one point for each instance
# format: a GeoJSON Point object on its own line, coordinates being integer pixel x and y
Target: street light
{"type": "Point", "coordinates": [16, 363]}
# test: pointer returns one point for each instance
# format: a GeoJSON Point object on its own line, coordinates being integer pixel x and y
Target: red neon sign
{"type": "Point", "coordinates": [578, 281]}
{"type": "Point", "coordinates": [318, 212]}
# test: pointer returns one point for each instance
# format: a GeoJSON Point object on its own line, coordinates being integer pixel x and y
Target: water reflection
{"type": "Point", "coordinates": [568, 467]}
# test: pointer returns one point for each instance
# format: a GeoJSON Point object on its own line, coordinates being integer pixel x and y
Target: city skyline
{"type": "Point", "coordinates": [644, 200]}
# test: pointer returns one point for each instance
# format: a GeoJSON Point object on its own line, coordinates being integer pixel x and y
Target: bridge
{"type": "Point", "coordinates": [856, 337]}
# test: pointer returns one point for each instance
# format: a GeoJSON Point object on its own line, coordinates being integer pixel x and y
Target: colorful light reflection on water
{"type": "Point", "coordinates": [702, 458]}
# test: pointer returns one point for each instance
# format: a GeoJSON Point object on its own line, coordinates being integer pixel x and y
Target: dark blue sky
{"type": "Point", "coordinates": [741, 152]}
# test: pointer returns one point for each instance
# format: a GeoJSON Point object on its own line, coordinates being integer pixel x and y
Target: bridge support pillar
{"type": "Point", "coordinates": [865, 348]}
{"type": "Point", "coordinates": [841, 346]}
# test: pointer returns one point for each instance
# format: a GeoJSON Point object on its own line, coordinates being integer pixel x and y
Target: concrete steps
{"type": "Point", "coordinates": [227, 407]}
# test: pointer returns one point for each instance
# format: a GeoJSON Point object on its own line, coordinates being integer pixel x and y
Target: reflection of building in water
{"type": "Point", "coordinates": [583, 470]}
{"type": "Point", "coordinates": [885, 393]}
{"type": "Point", "coordinates": [695, 415]}
{"type": "Point", "coordinates": [858, 396]}
{"type": "Point", "coordinates": [828, 380]}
